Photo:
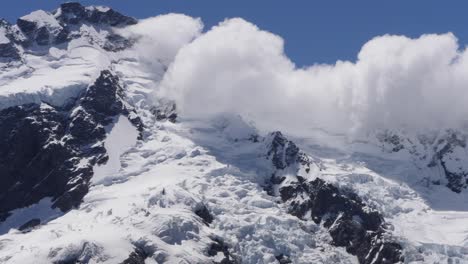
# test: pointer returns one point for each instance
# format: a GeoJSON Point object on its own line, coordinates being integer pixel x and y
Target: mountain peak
{"type": "Point", "coordinates": [70, 21]}
{"type": "Point", "coordinates": [74, 13]}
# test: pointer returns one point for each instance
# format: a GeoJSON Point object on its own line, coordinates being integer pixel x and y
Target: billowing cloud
{"type": "Point", "coordinates": [396, 82]}
{"type": "Point", "coordinates": [161, 37]}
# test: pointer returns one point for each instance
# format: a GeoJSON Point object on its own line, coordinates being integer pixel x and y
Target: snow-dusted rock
{"type": "Point", "coordinates": [351, 223]}
{"type": "Point", "coordinates": [50, 152]}
{"type": "Point", "coordinates": [443, 152]}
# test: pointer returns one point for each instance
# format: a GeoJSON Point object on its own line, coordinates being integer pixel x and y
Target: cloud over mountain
{"type": "Point", "coordinates": [236, 67]}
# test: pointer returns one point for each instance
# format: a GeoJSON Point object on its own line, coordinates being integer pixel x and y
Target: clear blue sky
{"type": "Point", "coordinates": [314, 31]}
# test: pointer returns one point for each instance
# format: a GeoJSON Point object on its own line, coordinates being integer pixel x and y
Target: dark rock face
{"type": "Point", "coordinates": [8, 51]}
{"type": "Point", "coordinates": [42, 147]}
{"type": "Point", "coordinates": [70, 16]}
{"type": "Point", "coordinates": [30, 224]}
{"type": "Point", "coordinates": [117, 43]}
{"type": "Point", "coordinates": [284, 153]}
{"type": "Point", "coordinates": [102, 101]}
{"type": "Point", "coordinates": [105, 99]}
{"type": "Point", "coordinates": [34, 160]}
{"type": "Point", "coordinates": [41, 35]}
{"type": "Point", "coordinates": [392, 139]}
{"type": "Point", "coordinates": [136, 257]}
{"type": "Point", "coordinates": [32, 35]}
{"type": "Point", "coordinates": [204, 214]}
{"type": "Point", "coordinates": [457, 179]}
{"type": "Point", "coordinates": [165, 111]}
{"type": "Point", "coordinates": [110, 17]}
{"type": "Point", "coordinates": [351, 224]}
{"type": "Point", "coordinates": [280, 146]}
{"type": "Point", "coordinates": [439, 152]}
{"type": "Point", "coordinates": [71, 13]}
{"type": "Point", "coordinates": [26, 26]}
{"type": "Point", "coordinates": [218, 246]}
{"type": "Point", "coordinates": [75, 13]}
{"type": "Point", "coordinates": [283, 259]}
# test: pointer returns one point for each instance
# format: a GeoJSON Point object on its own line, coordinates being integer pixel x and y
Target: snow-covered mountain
{"type": "Point", "coordinates": [98, 165]}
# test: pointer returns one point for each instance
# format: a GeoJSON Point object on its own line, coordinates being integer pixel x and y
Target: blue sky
{"type": "Point", "coordinates": [314, 31]}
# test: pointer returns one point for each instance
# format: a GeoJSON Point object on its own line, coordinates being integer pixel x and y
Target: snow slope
{"type": "Point", "coordinates": [36, 81]}
{"type": "Point", "coordinates": [122, 136]}
{"type": "Point", "coordinates": [3, 37]}
{"type": "Point", "coordinates": [161, 182]}
{"type": "Point", "coordinates": [180, 167]}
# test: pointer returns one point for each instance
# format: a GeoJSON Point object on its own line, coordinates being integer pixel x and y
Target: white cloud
{"type": "Point", "coordinates": [396, 82]}
{"type": "Point", "coordinates": [161, 37]}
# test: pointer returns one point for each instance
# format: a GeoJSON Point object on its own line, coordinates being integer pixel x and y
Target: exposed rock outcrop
{"type": "Point", "coordinates": [47, 151]}
{"type": "Point", "coordinates": [350, 222]}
